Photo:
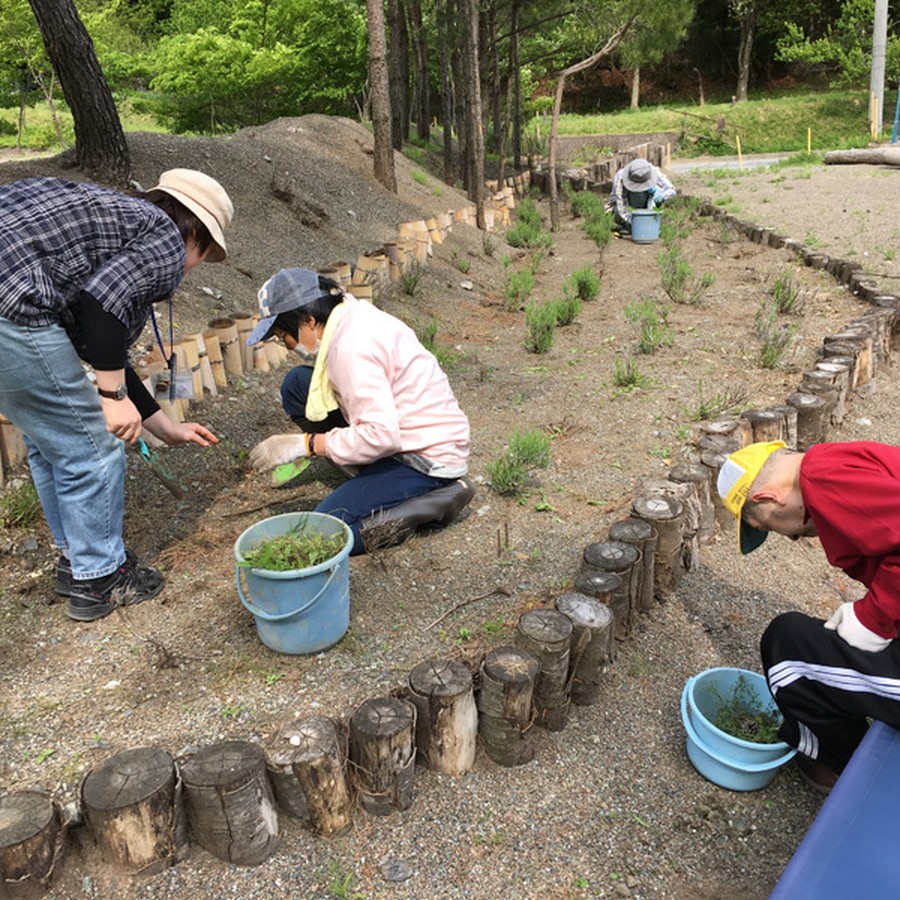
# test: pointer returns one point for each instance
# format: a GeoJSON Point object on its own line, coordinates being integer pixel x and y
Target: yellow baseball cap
{"type": "Point", "coordinates": [737, 474]}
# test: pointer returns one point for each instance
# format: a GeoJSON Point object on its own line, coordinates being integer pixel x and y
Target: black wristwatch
{"type": "Point", "coordinates": [120, 393]}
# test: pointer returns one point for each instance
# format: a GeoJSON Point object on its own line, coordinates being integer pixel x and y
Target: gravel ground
{"type": "Point", "coordinates": [610, 806]}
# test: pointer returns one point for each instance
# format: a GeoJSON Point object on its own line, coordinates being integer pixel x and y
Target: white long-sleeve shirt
{"type": "Point", "coordinates": [394, 395]}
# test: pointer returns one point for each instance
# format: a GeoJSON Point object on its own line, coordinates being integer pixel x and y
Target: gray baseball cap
{"type": "Point", "coordinates": [286, 290]}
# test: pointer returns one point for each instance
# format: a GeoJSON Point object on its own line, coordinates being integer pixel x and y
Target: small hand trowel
{"type": "Point", "coordinates": [288, 471]}
{"type": "Point", "coordinates": [156, 467]}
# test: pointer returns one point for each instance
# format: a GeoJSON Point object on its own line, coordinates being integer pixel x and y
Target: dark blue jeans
{"type": "Point", "coordinates": [382, 484]}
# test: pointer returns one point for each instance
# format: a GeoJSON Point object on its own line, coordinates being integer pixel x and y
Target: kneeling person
{"type": "Point", "coordinates": [375, 403]}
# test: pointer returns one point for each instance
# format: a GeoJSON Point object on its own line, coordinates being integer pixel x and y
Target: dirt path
{"type": "Point", "coordinates": [610, 806]}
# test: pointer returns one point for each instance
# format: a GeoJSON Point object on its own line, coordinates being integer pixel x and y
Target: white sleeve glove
{"type": "Point", "coordinates": [845, 623]}
{"type": "Point", "coordinates": [278, 449]}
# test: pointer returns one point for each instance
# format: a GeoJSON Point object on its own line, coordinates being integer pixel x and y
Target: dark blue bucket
{"type": "Point", "coordinates": [301, 610]}
{"type": "Point", "coordinates": [645, 225]}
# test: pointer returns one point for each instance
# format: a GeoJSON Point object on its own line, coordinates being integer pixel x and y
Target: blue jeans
{"type": "Point", "coordinates": [382, 484]}
{"type": "Point", "coordinates": [78, 467]}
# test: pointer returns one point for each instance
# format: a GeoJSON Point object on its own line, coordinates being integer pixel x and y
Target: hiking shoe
{"type": "Point", "coordinates": [818, 775]}
{"type": "Point", "coordinates": [129, 584]}
{"type": "Point", "coordinates": [64, 573]}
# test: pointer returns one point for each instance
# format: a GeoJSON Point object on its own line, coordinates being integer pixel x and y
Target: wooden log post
{"type": "Point", "coordinates": [226, 331]}
{"type": "Point", "coordinates": [206, 372]}
{"type": "Point", "coordinates": [642, 535]}
{"type": "Point", "coordinates": [244, 325]}
{"type": "Point", "coordinates": [714, 462]}
{"type": "Point", "coordinates": [840, 371]}
{"type": "Point", "coordinates": [216, 362]}
{"type": "Point", "coordinates": [591, 650]}
{"type": "Point", "coordinates": [765, 425]}
{"type": "Point", "coordinates": [280, 751]}
{"type": "Point", "coordinates": [789, 414]}
{"type": "Point", "coordinates": [697, 476]}
{"type": "Point", "coordinates": [604, 587]}
{"type": "Point", "coordinates": [443, 694]}
{"type": "Point", "coordinates": [860, 339]}
{"type": "Point", "coordinates": [621, 559]}
{"type": "Point", "coordinates": [383, 754]}
{"type": "Point", "coordinates": [547, 634]}
{"type": "Point", "coordinates": [319, 764]}
{"type": "Point", "coordinates": [32, 839]}
{"type": "Point", "coordinates": [230, 804]}
{"type": "Point", "coordinates": [132, 806]}
{"type": "Point", "coordinates": [504, 705]}
{"type": "Point", "coordinates": [812, 418]}
{"type": "Point", "coordinates": [192, 364]}
{"type": "Point", "coordinates": [880, 320]}
{"type": "Point", "coordinates": [687, 496]}
{"type": "Point", "coordinates": [666, 515]}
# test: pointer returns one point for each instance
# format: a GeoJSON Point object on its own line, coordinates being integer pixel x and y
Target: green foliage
{"type": "Point", "coordinates": [19, 505]}
{"type": "Point", "coordinates": [678, 280]}
{"type": "Point", "coordinates": [527, 231]}
{"type": "Point", "coordinates": [650, 318]}
{"type": "Point", "coordinates": [411, 278]}
{"type": "Point", "coordinates": [584, 283]}
{"type": "Point", "coordinates": [298, 548]}
{"type": "Point", "coordinates": [527, 449]}
{"type": "Point", "coordinates": [727, 400]}
{"type": "Point", "coordinates": [568, 308]}
{"type": "Point", "coordinates": [742, 714]}
{"type": "Point", "coordinates": [597, 221]}
{"type": "Point", "coordinates": [786, 295]}
{"type": "Point", "coordinates": [460, 261]}
{"type": "Point", "coordinates": [627, 375]}
{"type": "Point", "coordinates": [774, 336]}
{"type": "Point", "coordinates": [540, 322]}
{"type": "Point", "coordinates": [446, 358]}
{"type": "Point", "coordinates": [517, 288]}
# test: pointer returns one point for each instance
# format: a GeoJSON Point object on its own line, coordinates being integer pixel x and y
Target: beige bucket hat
{"type": "Point", "coordinates": [204, 197]}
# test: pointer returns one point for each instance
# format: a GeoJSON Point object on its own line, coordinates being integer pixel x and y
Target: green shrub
{"type": "Point", "coordinates": [585, 283]}
{"type": "Point", "coordinates": [527, 231]}
{"type": "Point", "coordinates": [518, 288]}
{"type": "Point", "coordinates": [528, 448]}
{"type": "Point", "coordinates": [568, 308]}
{"type": "Point", "coordinates": [651, 320]}
{"type": "Point", "coordinates": [540, 320]}
{"type": "Point", "coordinates": [626, 374]}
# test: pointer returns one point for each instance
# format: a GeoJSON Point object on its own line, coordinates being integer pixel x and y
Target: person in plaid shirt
{"type": "Point", "coordinates": [80, 267]}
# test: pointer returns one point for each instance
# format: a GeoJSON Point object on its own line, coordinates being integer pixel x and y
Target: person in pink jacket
{"type": "Point", "coordinates": [374, 402]}
{"type": "Point", "coordinates": [828, 678]}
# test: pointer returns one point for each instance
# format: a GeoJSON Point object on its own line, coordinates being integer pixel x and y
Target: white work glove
{"type": "Point", "coordinates": [278, 449]}
{"type": "Point", "coordinates": [845, 623]}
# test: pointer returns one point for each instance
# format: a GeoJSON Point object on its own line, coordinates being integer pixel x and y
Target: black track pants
{"type": "Point", "coordinates": [826, 689]}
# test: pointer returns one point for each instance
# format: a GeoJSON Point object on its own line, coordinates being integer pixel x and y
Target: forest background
{"type": "Point", "coordinates": [214, 66]}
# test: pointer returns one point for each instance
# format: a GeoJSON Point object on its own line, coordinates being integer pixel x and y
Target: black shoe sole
{"type": "Point", "coordinates": [101, 609]}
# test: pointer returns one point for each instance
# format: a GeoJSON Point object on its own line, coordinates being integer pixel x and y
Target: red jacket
{"type": "Point", "coordinates": [851, 492]}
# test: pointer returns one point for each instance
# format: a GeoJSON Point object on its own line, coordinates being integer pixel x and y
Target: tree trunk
{"type": "Point", "coordinates": [380, 97]}
{"type": "Point", "coordinates": [100, 146]}
{"type": "Point", "coordinates": [745, 52]}
{"type": "Point", "coordinates": [421, 86]}
{"type": "Point", "coordinates": [398, 71]}
{"type": "Point", "coordinates": [635, 88]}
{"type": "Point", "coordinates": [474, 128]}
{"type": "Point", "coordinates": [444, 30]}
{"type": "Point", "coordinates": [516, 76]}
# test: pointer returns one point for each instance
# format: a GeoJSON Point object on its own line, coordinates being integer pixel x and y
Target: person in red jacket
{"type": "Point", "coordinates": [828, 678]}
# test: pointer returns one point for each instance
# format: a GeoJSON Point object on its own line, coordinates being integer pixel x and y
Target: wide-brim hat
{"type": "Point", "coordinates": [206, 199]}
{"type": "Point", "coordinates": [286, 290]}
{"type": "Point", "coordinates": [736, 477]}
{"type": "Point", "coordinates": [638, 175]}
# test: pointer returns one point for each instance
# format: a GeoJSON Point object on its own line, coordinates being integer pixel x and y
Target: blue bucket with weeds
{"type": "Point", "coordinates": [297, 611]}
{"type": "Point", "coordinates": [645, 225]}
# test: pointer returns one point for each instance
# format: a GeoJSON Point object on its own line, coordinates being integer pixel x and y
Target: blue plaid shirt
{"type": "Point", "coordinates": [58, 238]}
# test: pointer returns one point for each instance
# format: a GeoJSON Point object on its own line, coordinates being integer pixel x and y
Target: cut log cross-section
{"type": "Point", "coordinates": [620, 559]}
{"type": "Point", "coordinates": [666, 515]}
{"type": "Point", "coordinates": [31, 840]}
{"type": "Point", "coordinates": [383, 754]}
{"type": "Point", "coordinates": [447, 722]}
{"type": "Point", "coordinates": [547, 635]}
{"type": "Point", "coordinates": [812, 418]}
{"type": "Point", "coordinates": [642, 535]}
{"type": "Point", "coordinates": [604, 587]}
{"type": "Point", "coordinates": [697, 476]}
{"type": "Point", "coordinates": [132, 806]}
{"type": "Point", "coordinates": [230, 804]}
{"type": "Point", "coordinates": [504, 705]}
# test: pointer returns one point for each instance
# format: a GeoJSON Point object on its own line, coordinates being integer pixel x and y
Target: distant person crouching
{"type": "Point", "coordinates": [638, 185]}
